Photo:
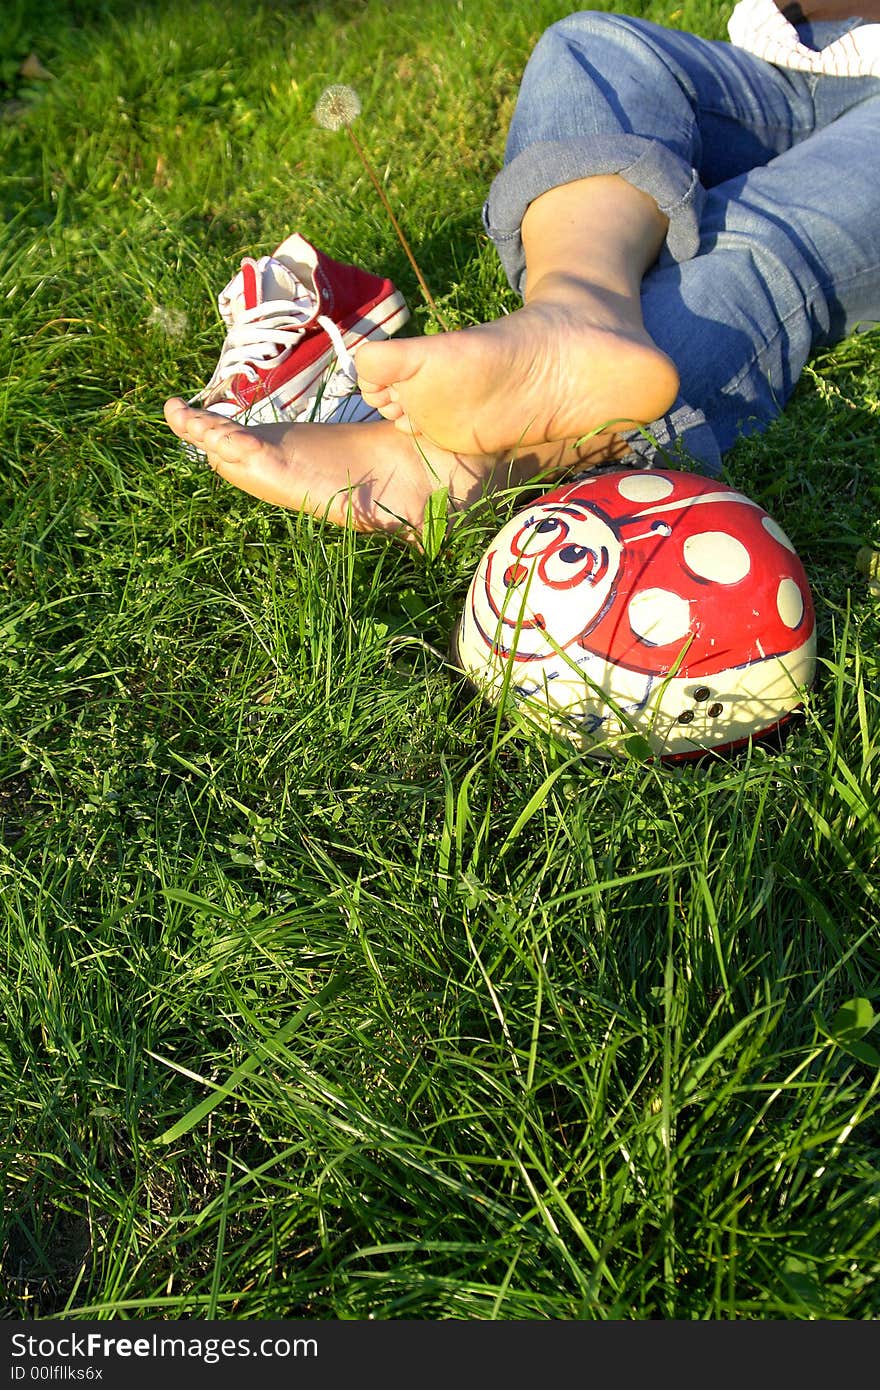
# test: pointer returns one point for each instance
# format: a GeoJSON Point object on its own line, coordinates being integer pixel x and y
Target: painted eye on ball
{"type": "Point", "coordinates": [534, 537]}
{"type": "Point", "coordinates": [566, 566]}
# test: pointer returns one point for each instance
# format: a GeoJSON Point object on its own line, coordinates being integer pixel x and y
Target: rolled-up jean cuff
{"type": "Point", "coordinates": [545, 164]}
{"type": "Point", "coordinates": [683, 438]}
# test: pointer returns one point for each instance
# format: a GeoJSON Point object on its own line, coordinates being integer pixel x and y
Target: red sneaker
{"type": "Point", "coordinates": [293, 318]}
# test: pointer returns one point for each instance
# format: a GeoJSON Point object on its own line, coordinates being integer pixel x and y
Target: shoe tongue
{"type": "Point", "coordinates": [281, 283]}
{"type": "Point", "coordinates": [259, 282]}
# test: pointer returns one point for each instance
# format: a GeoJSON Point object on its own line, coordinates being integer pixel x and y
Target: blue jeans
{"type": "Point", "coordinates": [771, 183]}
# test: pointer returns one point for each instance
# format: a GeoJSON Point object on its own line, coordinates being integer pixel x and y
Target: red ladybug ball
{"type": "Point", "coordinates": [659, 603]}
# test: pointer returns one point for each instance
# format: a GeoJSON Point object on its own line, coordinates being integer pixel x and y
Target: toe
{"type": "Point", "coordinates": [175, 411]}
{"type": "Point", "coordinates": [232, 443]}
{"type": "Point", "coordinates": [403, 423]}
{"type": "Point", "coordinates": [201, 425]}
{"type": "Point", "coordinates": [376, 396]}
{"type": "Point", "coordinates": [382, 364]}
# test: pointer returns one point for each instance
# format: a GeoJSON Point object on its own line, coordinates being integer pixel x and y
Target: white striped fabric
{"type": "Point", "coordinates": [760, 28]}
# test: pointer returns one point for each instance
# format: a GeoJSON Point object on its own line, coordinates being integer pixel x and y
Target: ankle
{"type": "Point", "coordinates": [602, 300]}
{"type": "Point", "coordinates": [569, 226]}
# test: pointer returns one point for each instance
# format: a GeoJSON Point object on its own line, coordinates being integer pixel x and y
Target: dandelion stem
{"type": "Point", "coordinates": [362, 155]}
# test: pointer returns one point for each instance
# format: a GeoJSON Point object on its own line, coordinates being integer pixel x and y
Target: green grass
{"type": "Point", "coordinates": [326, 994]}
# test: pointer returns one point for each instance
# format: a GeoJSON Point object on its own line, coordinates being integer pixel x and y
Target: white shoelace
{"type": "Point", "coordinates": [268, 333]}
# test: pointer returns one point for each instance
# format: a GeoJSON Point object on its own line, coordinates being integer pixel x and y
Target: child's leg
{"type": "Point", "coordinates": [789, 261]}
{"type": "Point", "coordinates": [605, 102]}
{"type": "Point", "coordinates": [575, 358]}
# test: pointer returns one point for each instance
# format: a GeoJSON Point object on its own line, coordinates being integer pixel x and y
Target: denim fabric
{"type": "Point", "coordinates": [769, 179]}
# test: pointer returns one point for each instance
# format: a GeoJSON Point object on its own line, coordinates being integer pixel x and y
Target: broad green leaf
{"type": "Point", "coordinates": [800, 1278]}
{"type": "Point", "coordinates": [863, 1052]}
{"type": "Point", "coordinates": [852, 1021]}
{"type": "Point", "coordinates": [638, 748]}
{"type": "Point", "coordinates": [436, 518]}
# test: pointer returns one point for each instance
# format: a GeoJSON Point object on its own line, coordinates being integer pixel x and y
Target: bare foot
{"type": "Point", "coordinates": [367, 475]}
{"type": "Point", "coordinates": [573, 361]}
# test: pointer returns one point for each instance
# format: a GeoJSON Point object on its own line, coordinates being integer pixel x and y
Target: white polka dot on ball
{"type": "Point", "coordinates": [657, 616]}
{"type": "Point", "coordinates": [645, 487]}
{"type": "Point", "coordinates": [790, 603]}
{"type": "Point", "coordinates": [717, 556]}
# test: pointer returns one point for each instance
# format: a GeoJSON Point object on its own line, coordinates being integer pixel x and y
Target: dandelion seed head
{"type": "Point", "coordinates": [337, 106]}
{"type": "Point", "coordinates": [172, 322]}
